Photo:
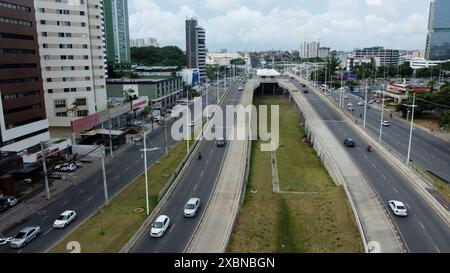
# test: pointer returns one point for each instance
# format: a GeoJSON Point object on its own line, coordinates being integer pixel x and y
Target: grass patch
{"type": "Point", "coordinates": [112, 227]}
{"type": "Point", "coordinates": [440, 185]}
{"type": "Point", "coordinates": [288, 223]}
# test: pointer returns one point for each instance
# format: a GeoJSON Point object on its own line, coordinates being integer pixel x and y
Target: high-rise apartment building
{"type": "Point", "coordinates": [117, 31]}
{"type": "Point", "coordinates": [309, 50]}
{"type": "Point", "coordinates": [23, 122]}
{"type": "Point", "coordinates": [150, 41]}
{"type": "Point", "coordinates": [71, 41]}
{"type": "Point", "coordinates": [438, 39]}
{"type": "Point", "coordinates": [196, 47]}
{"type": "Point", "coordinates": [385, 56]}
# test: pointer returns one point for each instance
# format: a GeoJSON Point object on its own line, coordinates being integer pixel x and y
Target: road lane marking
{"type": "Point", "coordinates": [374, 166]}
{"type": "Point", "coordinates": [195, 187]}
{"type": "Point", "coordinates": [421, 224]}
{"type": "Point", "coordinates": [116, 177]}
{"type": "Point", "coordinates": [395, 189]}
{"type": "Point", "coordinates": [65, 203]}
{"type": "Point", "coordinates": [45, 218]}
{"type": "Point", "coordinates": [171, 228]}
{"type": "Point", "coordinates": [47, 232]}
{"type": "Point", "coordinates": [90, 198]}
{"type": "Point", "coordinates": [203, 172]}
{"type": "Point", "coordinates": [80, 192]}
{"type": "Point", "coordinates": [384, 177]}
{"type": "Point", "coordinates": [127, 168]}
{"type": "Point", "coordinates": [20, 251]}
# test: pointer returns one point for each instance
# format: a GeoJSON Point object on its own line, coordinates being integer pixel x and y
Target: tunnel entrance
{"type": "Point", "coordinates": [268, 89]}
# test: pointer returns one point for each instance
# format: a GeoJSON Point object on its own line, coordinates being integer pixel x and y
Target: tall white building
{"type": "Point", "coordinates": [309, 50]}
{"type": "Point", "coordinates": [72, 49]}
{"type": "Point", "coordinates": [150, 41]}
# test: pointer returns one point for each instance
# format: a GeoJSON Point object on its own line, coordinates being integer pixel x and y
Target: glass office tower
{"type": "Point", "coordinates": [438, 40]}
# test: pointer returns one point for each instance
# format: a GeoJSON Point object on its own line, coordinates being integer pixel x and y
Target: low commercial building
{"type": "Point", "coordinates": [418, 63]}
{"type": "Point", "coordinates": [386, 56]}
{"type": "Point", "coordinates": [155, 71]}
{"type": "Point", "coordinates": [161, 93]}
{"type": "Point", "coordinates": [223, 59]}
{"type": "Point", "coordinates": [400, 91]}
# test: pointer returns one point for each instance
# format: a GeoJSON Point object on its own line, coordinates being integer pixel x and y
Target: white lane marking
{"type": "Point", "coordinates": [203, 172]}
{"type": "Point", "coordinates": [395, 189]}
{"type": "Point", "coordinates": [47, 232]}
{"type": "Point", "coordinates": [374, 166]}
{"type": "Point", "coordinates": [90, 198]}
{"type": "Point", "coordinates": [195, 187]}
{"type": "Point", "coordinates": [384, 177]}
{"type": "Point", "coordinates": [96, 180]}
{"type": "Point", "coordinates": [365, 156]}
{"type": "Point", "coordinates": [45, 218]}
{"type": "Point", "coordinates": [116, 177]}
{"type": "Point", "coordinates": [80, 192]}
{"type": "Point", "coordinates": [127, 168]}
{"type": "Point", "coordinates": [171, 228]}
{"type": "Point", "coordinates": [20, 251]}
{"type": "Point", "coordinates": [421, 224]}
{"type": "Point", "coordinates": [65, 203]}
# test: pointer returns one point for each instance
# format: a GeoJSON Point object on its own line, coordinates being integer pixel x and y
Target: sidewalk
{"type": "Point", "coordinates": [22, 210]}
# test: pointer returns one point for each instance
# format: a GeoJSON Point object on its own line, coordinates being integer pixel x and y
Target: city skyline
{"type": "Point", "coordinates": [245, 25]}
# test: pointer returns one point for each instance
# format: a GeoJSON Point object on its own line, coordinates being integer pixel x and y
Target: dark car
{"type": "Point", "coordinates": [349, 142]}
{"type": "Point", "coordinates": [3, 204]}
{"type": "Point", "coordinates": [220, 142]}
{"type": "Point", "coordinates": [305, 91]}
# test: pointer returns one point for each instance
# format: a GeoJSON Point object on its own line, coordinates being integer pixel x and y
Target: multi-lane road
{"type": "Point", "coordinates": [422, 230]}
{"type": "Point", "coordinates": [428, 151]}
{"type": "Point", "coordinates": [198, 181]}
{"type": "Point", "coordinates": [88, 195]}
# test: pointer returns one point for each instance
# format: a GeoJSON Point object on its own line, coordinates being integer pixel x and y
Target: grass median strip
{"type": "Point", "coordinates": [109, 229]}
{"type": "Point", "coordinates": [271, 222]}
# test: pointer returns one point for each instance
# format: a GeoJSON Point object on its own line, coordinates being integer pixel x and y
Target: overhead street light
{"type": "Point", "coordinates": [145, 150]}
{"type": "Point", "coordinates": [411, 127]}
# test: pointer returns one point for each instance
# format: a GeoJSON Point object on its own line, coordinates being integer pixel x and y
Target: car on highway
{"type": "Point", "coordinates": [160, 226]}
{"type": "Point", "coordinates": [386, 123]}
{"type": "Point", "coordinates": [3, 205]}
{"type": "Point", "coordinates": [25, 236]}
{"type": "Point", "coordinates": [350, 104]}
{"type": "Point", "coordinates": [241, 88]}
{"type": "Point", "coordinates": [11, 201]}
{"type": "Point", "coordinates": [350, 108]}
{"type": "Point", "coordinates": [345, 97]}
{"type": "Point", "coordinates": [349, 142]}
{"type": "Point", "coordinates": [191, 123]}
{"type": "Point", "coordinates": [336, 100]}
{"type": "Point", "coordinates": [361, 103]}
{"type": "Point", "coordinates": [191, 207]}
{"type": "Point", "coordinates": [68, 167]}
{"type": "Point", "coordinates": [305, 91]}
{"type": "Point", "coordinates": [64, 219]}
{"type": "Point", "coordinates": [398, 208]}
{"type": "Point", "coordinates": [220, 142]}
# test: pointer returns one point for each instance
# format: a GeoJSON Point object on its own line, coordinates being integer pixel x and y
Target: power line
{"type": "Point", "coordinates": [441, 105]}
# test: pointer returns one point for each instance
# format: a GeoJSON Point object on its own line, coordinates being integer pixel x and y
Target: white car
{"type": "Point", "coordinates": [345, 97]}
{"type": "Point", "coordinates": [241, 88]}
{"type": "Point", "coordinates": [350, 104]}
{"type": "Point", "coordinates": [69, 167]}
{"type": "Point", "coordinates": [361, 103]}
{"type": "Point", "coordinates": [25, 236]}
{"type": "Point", "coordinates": [11, 200]}
{"type": "Point", "coordinates": [192, 123]}
{"type": "Point", "coordinates": [386, 123]}
{"type": "Point", "coordinates": [398, 208]}
{"type": "Point", "coordinates": [64, 219]}
{"type": "Point", "coordinates": [160, 226]}
{"type": "Point", "coordinates": [191, 207]}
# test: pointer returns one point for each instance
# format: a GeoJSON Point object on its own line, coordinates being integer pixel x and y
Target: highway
{"type": "Point", "coordinates": [198, 181]}
{"type": "Point", "coordinates": [428, 151]}
{"type": "Point", "coordinates": [422, 230]}
{"type": "Point", "coordinates": [88, 196]}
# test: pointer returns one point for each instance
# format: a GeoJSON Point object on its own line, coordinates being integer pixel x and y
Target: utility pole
{"type": "Point", "coordinates": [365, 106]}
{"type": "Point", "coordinates": [110, 136]}
{"type": "Point", "coordinates": [44, 166]}
{"type": "Point", "coordinates": [382, 115]}
{"type": "Point", "coordinates": [411, 129]}
{"type": "Point", "coordinates": [105, 186]}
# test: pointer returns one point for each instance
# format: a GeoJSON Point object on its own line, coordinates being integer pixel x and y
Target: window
{"type": "Point", "coordinates": [60, 103]}
{"type": "Point", "coordinates": [61, 114]}
{"type": "Point", "coordinates": [81, 102]}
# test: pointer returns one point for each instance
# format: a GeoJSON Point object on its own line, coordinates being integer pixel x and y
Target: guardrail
{"type": "Point", "coordinates": [169, 188]}
{"type": "Point", "coordinates": [408, 173]}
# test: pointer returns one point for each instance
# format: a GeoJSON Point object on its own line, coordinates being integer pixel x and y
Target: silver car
{"type": "Point", "coordinates": [25, 236]}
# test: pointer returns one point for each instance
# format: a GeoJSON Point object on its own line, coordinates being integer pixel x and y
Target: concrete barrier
{"type": "Point", "coordinates": [416, 180]}
{"type": "Point", "coordinates": [371, 218]}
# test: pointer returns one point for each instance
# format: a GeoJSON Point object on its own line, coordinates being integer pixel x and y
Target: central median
{"type": "Point", "coordinates": [309, 214]}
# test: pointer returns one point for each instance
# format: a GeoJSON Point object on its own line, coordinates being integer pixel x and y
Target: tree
{"type": "Point", "coordinates": [158, 56]}
{"type": "Point", "coordinates": [444, 120]}
{"type": "Point", "coordinates": [129, 96]}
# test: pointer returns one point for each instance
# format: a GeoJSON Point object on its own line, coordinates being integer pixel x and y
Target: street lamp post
{"type": "Point", "coordinates": [105, 186]}
{"type": "Point", "coordinates": [411, 128]}
{"type": "Point", "coordinates": [145, 171]}
{"type": "Point", "coordinates": [382, 115]}
{"type": "Point", "coordinates": [44, 166]}
{"type": "Point", "coordinates": [365, 106]}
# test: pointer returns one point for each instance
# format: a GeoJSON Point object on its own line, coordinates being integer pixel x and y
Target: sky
{"type": "Point", "coordinates": [239, 25]}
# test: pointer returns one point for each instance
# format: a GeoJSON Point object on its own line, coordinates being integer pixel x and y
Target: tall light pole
{"type": "Point", "coordinates": [365, 106]}
{"type": "Point", "coordinates": [105, 186]}
{"type": "Point", "coordinates": [382, 115]}
{"type": "Point", "coordinates": [411, 129]}
{"type": "Point", "coordinates": [44, 166]}
{"type": "Point", "coordinates": [145, 171]}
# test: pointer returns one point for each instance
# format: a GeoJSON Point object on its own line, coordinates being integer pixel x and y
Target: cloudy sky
{"type": "Point", "coordinates": [283, 24]}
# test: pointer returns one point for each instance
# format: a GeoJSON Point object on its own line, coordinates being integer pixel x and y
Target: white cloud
{"type": "Point", "coordinates": [222, 5]}
{"type": "Point", "coordinates": [344, 24]}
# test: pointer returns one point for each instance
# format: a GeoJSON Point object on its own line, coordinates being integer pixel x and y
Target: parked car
{"type": "Point", "coordinates": [386, 123]}
{"type": "Point", "coordinates": [191, 207]}
{"type": "Point", "coordinates": [398, 208]}
{"type": "Point", "coordinates": [160, 226]}
{"type": "Point", "coordinates": [138, 138]}
{"type": "Point", "coordinates": [68, 167]}
{"type": "Point", "coordinates": [3, 205]}
{"type": "Point", "coordinates": [25, 236]}
{"type": "Point", "coordinates": [64, 219]}
{"type": "Point", "coordinates": [11, 201]}
{"type": "Point", "coordinates": [220, 142]}
{"type": "Point", "coordinates": [349, 142]}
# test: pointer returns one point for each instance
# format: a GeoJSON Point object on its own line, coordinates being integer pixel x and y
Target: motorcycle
{"type": "Point", "coordinates": [369, 149]}
{"type": "Point", "coordinates": [199, 156]}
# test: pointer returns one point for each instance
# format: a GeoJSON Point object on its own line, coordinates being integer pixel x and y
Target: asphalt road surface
{"type": "Point", "coordinates": [199, 181]}
{"type": "Point", "coordinates": [86, 197]}
{"type": "Point", "coordinates": [422, 230]}
{"type": "Point", "coordinates": [428, 151]}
